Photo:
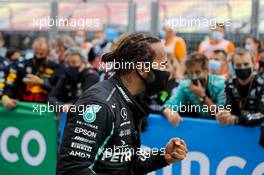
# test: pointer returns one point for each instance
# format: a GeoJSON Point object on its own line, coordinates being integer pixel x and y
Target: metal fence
{"type": "Point", "coordinates": [246, 17]}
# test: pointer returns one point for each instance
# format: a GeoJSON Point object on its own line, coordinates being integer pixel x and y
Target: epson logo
{"type": "Point", "coordinates": [85, 132]}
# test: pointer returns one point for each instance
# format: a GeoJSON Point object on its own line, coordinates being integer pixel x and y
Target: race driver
{"type": "Point", "coordinates": [104, 137]}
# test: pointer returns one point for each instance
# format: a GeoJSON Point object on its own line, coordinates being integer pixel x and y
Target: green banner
{"type": "Point", "coordinates": [27, 140]}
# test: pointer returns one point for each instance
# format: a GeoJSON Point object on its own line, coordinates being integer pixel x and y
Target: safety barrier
{"type": "Point", "coordinates": [28, 144]}
{"type": "Point", "coordinates": [27, 140]}
{"type": "Point", "coordinates": [213, 149]}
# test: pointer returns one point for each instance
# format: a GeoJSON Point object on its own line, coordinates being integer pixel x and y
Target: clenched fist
{"type": "Point", "coordinates": [176, 150]}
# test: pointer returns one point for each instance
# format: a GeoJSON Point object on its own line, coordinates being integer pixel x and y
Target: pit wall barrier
{"type": "Point", "coordinates": [28, 144]}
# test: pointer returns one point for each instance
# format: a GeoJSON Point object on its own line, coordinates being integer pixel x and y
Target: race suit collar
{"type": "Point", "coordinates": [129, 99]}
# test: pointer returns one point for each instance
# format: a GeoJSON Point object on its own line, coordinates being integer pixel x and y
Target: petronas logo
{"type": "Point", "coordinates": [90, 113]}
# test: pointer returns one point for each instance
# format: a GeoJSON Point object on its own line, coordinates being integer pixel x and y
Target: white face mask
{"type": "Point", "coordinates": [214, 65]}
{"type": "Point", "coordinates": [249, 47]}
{"type": "Point", "coordinates": [217, 36]}
{"type": "Point", "coordinates": [79, 40]}
{"type": "Point", "coordinates": [54, 55]}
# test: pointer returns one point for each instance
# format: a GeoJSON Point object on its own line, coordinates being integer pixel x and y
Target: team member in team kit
{"type": "Point", "coordinates": [31, 80]}
{"type": "Point", "coordinates": [78, 77]}
{"type": "Point", "coordinates": [245, 94]}
{"type": "Point", "coordinates": [3, 73]}
{"type": "Point", "coordinates": [105, 137]}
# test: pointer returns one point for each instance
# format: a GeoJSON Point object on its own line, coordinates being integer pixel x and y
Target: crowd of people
{"type": "Point", "coordinates": [218, 81]}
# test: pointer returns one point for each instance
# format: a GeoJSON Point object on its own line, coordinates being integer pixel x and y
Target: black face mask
{"type": "Point", "coordinates": [243, 73]}
{"type": "Point", "coordinates": [159, 83]}
{"type": "Point", "coordinates": [72, 71]}
{"type": "Point", "coordinates": [261, 65]}
{"type": "Point", "coordinates": [39, 60]}
{"type": "Point", "coordinates": [195, 81]}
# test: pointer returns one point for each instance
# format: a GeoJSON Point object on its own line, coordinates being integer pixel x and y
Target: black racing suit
{"type": "Point", "coordinates": [247, 102]}
{"type": "Point", "coordinates": [106, 137]}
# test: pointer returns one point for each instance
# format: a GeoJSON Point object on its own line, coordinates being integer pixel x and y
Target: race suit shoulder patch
{"type": "Point", "coordinates": [90, 114]}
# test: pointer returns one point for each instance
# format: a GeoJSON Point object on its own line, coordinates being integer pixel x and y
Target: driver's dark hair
{"type": "Point", "coordinates": [134, 48]}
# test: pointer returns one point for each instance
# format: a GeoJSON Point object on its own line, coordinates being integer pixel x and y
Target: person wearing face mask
{"type": "Point", "coordinates": [58, 47]}
{"type": "Point", "coordinates": [216, 41]}
{"type": "Point", "coordinates": [31, 80]}
{"type": "Point", "coordinates": [80, 40]}
{"type": "Point", "coordinates": [77, 78]}
{"type": "Point", "coordinates": [218, 64]}
{"type": "Point", "coordinates": [199, 88]}
{"type": "Point", "coordinates": [100, 43]}
{"type": "Point", "coordinates": [253, 45]}
{"type": "Point", "coordinates": [245, 93]}
{"type": "Point", "coordinates": [113, 115]}
{"type": "Point", "coordinates": [100, 46]}
{"type": "Point", "coordinates": [11, 59]}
